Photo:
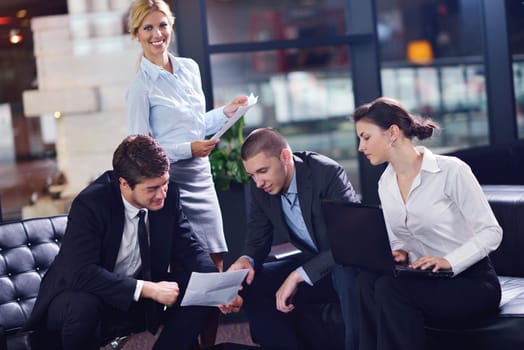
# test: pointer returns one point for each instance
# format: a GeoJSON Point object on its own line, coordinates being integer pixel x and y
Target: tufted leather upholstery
{"type": "Point", "coordinates": [504, 331]}
{"type": "Point", "coordinates": [27, 249]}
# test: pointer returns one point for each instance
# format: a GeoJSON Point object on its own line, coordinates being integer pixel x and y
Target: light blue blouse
{"type": "Point", "coordinates": [171, 106]}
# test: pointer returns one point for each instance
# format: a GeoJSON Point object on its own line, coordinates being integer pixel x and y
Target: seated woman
{"type": "Point", "coordinates": [437, 218]}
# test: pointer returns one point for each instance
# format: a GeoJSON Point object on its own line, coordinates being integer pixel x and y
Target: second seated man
{"type": "Point", "coordinates": [285, 199]}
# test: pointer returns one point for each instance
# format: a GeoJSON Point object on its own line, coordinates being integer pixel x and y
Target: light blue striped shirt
{"type": "Point", "coordinates": [295, 220]}
{"type": "Point", "coordinates": [171, 106]}
{"type": "Point", "coordinates": [293, 214]}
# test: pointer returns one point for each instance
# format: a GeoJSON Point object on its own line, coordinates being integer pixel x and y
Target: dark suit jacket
{"type": "Point", "coordinates": [318, 177]}
{"type": "Point", "coordinates": [89, 249]}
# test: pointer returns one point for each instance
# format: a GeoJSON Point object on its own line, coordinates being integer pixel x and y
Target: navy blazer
{"type": "Point", "coordinates": [318, 177]}
{"type": "Point", "coordinates": [89, 249]}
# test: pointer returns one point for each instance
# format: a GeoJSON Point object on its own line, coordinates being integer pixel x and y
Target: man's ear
{"type": "Point", "coordinates": [286, 156]}
{"type": "Point", "coordinates": [123, 182]}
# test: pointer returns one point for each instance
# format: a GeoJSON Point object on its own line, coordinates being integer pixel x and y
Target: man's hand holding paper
{"type": "Point", "coordinates": [214, 288]}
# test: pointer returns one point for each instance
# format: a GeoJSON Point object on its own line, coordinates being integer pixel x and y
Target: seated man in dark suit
{"type": "Point", "coordinates": [125, 259]}
{"type": "Point", "coordinates": [285, 197]}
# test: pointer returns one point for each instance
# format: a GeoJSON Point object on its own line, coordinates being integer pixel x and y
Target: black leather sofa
{"type": "Point", "coordinates": [495, 165]}
{"type": "Point", "coordinates": [27, 249]}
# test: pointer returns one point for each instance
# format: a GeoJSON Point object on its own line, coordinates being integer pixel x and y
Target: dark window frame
{"type": "Point", "coordinates": [192, 41]}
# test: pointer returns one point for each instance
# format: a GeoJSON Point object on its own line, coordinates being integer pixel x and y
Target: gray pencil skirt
{"type": "Point", "coordinates": [199, 201]}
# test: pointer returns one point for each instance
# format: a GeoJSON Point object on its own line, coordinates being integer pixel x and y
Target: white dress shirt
{"type": "Point", "coordinates": [445, 214]}
{"type": "Point", "coordinates": [128, 261]}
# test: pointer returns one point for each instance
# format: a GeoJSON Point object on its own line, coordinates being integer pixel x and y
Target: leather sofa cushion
{"type": "Point", "coordinates": [507, 203]}
{"type": "Point", "coordinates": [27, 248]}
{"type": "Point", "coordinates": [512, 302]}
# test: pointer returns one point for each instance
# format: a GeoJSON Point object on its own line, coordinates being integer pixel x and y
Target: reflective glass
{"type": "Point", "coordinates": [309, 104]}
{"type": "Point", "coordinates": [264, 20]}
{"type": "Point", "coordinates": [432, 61]}
{"type": "Point", "coordinates": [515, 10]}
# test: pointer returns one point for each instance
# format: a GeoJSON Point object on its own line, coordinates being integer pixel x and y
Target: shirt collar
{"type": "Point", "coordinates": [153, 70]}
{"type": "Point", "coordinates": [429, 161]}
{"type": "Point", "coordinates": [130, 210]}
{"type": "Point", "coordinates": [293, 185]}
{"type": "Point", "coordinates": [429, 164]}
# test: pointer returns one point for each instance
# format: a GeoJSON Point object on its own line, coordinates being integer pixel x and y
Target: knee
{"type": "Point", "coordinates": [365, 282]}
{"type": "Point", "coordinates": [84, 308]}
{"type": "Point", "coordinates": [385, 290]}
{"type": "Point", "coordinates": [344, 276]}
{"type": "Point", "coordinates": [81, 319]}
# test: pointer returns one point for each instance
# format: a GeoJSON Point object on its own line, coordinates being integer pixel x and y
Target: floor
{"type": "Point", "coordinates": [19, 182]}
{"type": "Point", "coordinates": [236, 333]}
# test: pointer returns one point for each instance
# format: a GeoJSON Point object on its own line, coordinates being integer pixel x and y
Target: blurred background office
{"type": "Point", "coordinates": [65, 68]}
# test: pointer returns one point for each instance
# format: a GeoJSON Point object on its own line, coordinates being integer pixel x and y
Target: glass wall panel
{"type": "Point", "coordinates": [265, 20]}
{"type": "Point", "coordinates": [309, 106]}
{"type": "Point", "coordinates": [432, 61]}
{"type": "Point", "coordinates": [515, 10]}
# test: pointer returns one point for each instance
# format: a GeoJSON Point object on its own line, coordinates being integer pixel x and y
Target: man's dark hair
{"type": "Point", "coordinates": [264, 140]}
{"type": "Point", "coordinates": [139, 157]}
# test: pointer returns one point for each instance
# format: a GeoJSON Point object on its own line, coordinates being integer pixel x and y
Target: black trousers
{"type": "Point", "coordinates": [273, 329]}
{"type": "Point", "coordinates": [84, 322]}
{"type": "Point", "coordinates": [394, 311]}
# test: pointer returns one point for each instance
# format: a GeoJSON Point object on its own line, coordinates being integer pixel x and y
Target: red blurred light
{"type": "Point", "coordinates": [5, 20]}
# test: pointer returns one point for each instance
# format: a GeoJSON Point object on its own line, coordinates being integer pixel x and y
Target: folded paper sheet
{"type": "Point", "coordinates": [242, 110]}
{"type": "Point", "coordinates": [213, 288]}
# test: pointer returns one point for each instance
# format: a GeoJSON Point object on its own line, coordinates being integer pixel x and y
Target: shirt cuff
{"type": "Point", "coordinates": [215, 119]}
{"type": "Point", "coordinates": [250, 259]}
{"type": "Point", "coordinates": [304, 275]}
{"type": "Point", "coordinates": [179, 152]}
{"type": "Point", "coordinates": [138, 290]}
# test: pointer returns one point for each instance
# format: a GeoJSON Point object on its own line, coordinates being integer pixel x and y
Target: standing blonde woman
{"type": "Point", "coordinates": [437, 217]}
{"type": "Point", "coordinates": [166, 100]}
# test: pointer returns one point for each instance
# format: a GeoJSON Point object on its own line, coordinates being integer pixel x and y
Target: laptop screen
{"type": "Point", "coordinates": [358, 237]}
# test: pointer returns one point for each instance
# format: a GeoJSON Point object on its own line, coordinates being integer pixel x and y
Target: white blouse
{"type": "Point", "coordinates": [445, 215]}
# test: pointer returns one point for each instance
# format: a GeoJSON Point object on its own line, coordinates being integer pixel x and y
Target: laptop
{"type": "Point", "coordinates": [358, 237]}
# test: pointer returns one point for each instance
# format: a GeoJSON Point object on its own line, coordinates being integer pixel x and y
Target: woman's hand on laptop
{"type": "Point", "coordinates": [400, 256]}
{"type": "Point", "coordinates": [431, 262]}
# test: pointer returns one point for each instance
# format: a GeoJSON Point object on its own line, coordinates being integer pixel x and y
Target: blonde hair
{"type": "Point", "coordinates": [142, 8]}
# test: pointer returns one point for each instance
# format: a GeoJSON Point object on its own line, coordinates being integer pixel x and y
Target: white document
{"type": "Point", "coordinates": [281, 251]}
{"type": "Point", "coordinates": [242, 110]}
{"type": "Point", "coordinates": [213, 288]}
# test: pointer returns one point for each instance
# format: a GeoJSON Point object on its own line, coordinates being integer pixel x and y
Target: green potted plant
{"type": "Point", "coordinates": [226, 165]}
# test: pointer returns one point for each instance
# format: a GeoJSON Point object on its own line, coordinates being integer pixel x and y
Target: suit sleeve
{"type": "Point", "coordinates": [82, 246]}
{"type": "Point", "coordinates": [260, 229]}
{"type": "Point", "coordinates": [334, 184]}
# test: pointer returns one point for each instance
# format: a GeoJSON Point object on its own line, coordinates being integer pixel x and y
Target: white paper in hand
{"type": "Point", "coordinates": [213, 288]}
{"type": "Point", "coordinates": [251, 101]}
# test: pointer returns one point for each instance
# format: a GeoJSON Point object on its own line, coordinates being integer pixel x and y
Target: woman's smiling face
{"type": "Point", "coordinates": [154, 34]}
